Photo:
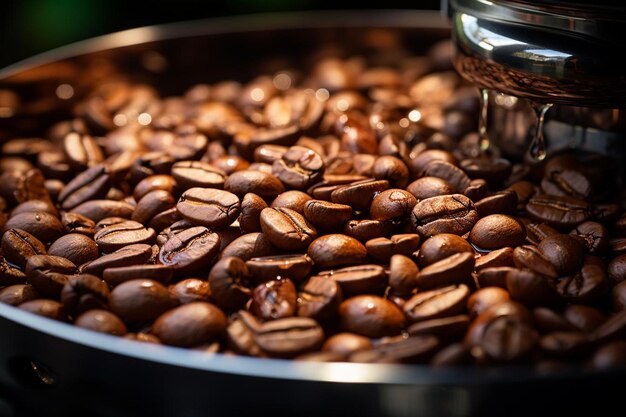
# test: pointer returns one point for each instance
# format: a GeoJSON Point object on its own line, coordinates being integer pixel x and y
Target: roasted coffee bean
{"type": "Point", "coordinates": [529, 256]}
{"type": "Point", "coordinates": [367, 229]}
{"type": "Point", "coordinates": [97, 210]}
{"type": "Point", "coordinates": [548, 320]}
{"type": "Point", "coordinates": [503, 202]}
{"type": "Point", "coordinates": [190, 250]}
{"type": "Point", "coordinates": [46, 308]}
{"type": "Point", "coordinates": [419, 161]}
{"type": "Point", "coordinates": [299, 167]}
{"type": "Point", "coordinates": [77, 223]}
{"type": "Point", "coordinates": [140, 300]}
{"type": "Point", "coordinates": [567, 182]}
{"type": "Point", "coordinates": [230, 282]}
{"type": "Point", "coordinates": [413, 349]}
{"type": "Point", "coordinates": [476, 190]}
{"type": "Point", "coordinates": [427, 187]}
{"type": "Point", "coordinates": [359, 194]}
{"type": "Point", "coordinates": [290, 336]}
{"type": "Point", "coordinates": [493, 277]}
{"type": "Point", "coordinates": [275, 299]}
{"type": "Point", "coordinates": [391, 169]}
{"type": "Point", "coordinates": [455, 354]}
{"type": "Point", "coordinates": [43, 226]}
{"type": "Point", "coordinates": [326, 215]}
{"type": "Point", "coordinates": [292, 199]}
{"type": "Point", "coordinates": [84, 292]}
{"type": "Point", "coordinates": [536, 232]}
{"type": "Point", "coordinates": [531, 288]}
{"type": "Point", "coordinates": [442, 302]}
{"type": "Point", "coordinates": [35, 205]}
{"type": "Point", "coordinates": [362, 279]}
{"type": "Point", "coordinates": [319, 299]}
{"type": "Point", "coordinates": [190, 174]}
{"type": "Point", "coordinates": [209, 207]}
{"type": "Point", "coordinates": [596, 236]}
{"type": "Point", "coordinates": [346, 343]}
{"type": "Point", "coordinates": [128, 255]}
{"type": "Point", "coordinates": [584, 318]}
{"type": "Point", "coordinates": [294, 267]}
{"type": "Point", "coordinates": [619, 296]}
{"type": "Point", "coordinates": [586, 285]}
{"type": "Point", "coordinates": [48, 274]}
{"type": "Point", "coordinates": [453, 213]}
{"type": "Point", "coordinates": [262, 184]}
{"type": "Point", "coordinates": [91, 184]}
{"type": "Point", "coordinates": [455, 269]}
{"type": "Point", "coordinates": [286, 228]}
{"type": "Point", "coordinates": [382, 248]}
{"type": "Point", "coordinates": [497, 231]}
{"type": "Point", "coordinates": [336, 250]}
{"type": "Point", "coordinates": [618, 246]}
{"type": "Point", "coordinates": [251, 245]}
{"type": "Point", "coordinates": [392, 204]}
{"type": "Point", "coordinates": [565, 252]}
{"type": "Point", "coordinates": [508, 339]}
{"type": "Point", "coordinates": [250, 218]}
{"type": "Point", "coordinates": [371, 316]}
{"type": "Point", "coordinates": [190, 290]}
{"type": "Point", "coordinates": [114, 237]}
{"type": "Point", "coordinates": [616, 269]}
{"type": "Point", "coordinates": [18, 187]}
{"type": "Point", "coordinates": [77, 248]}
{"type": "Point", "coordinates": [441, 246]}
{"type": "Point", "coordinates": [611, 355]}
{"type": "Point", "coordinates": [81, 150]}
{"type": "Point", "coordinates": [15, 295]}
{"type": "Point", "coordinates": [19, 245]}
{"type": "Point", "coordinates": [190, 325]}
{"type": "Point", "coordinates": [495, 259]}
{"type": "Point", "coordinates": [165, 219]}
{"type": "Point", "coordinates": [116, 275]}
{"type": "Point", "coordinates": [402, 275]}
{"type": "Point", "coordinates": [153, 183]}
{"type": "Point", "coordinates": [494, 171]}
{"type": "Point", "coordinates": [445, 329]}
{"type": "Point", "coordinates": [448, 172]}
{"type": "Point", "coordinates": [484, 298]}
{"type": "Point", "coordinates": [102, 321]}
{"type": "Point", "coordinates": [151, 205]}
{"type": "Point", "coordinates": [559, 211]}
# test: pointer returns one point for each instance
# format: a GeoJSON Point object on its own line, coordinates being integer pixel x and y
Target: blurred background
{"type": "Point", "coordinates": [28, 27]}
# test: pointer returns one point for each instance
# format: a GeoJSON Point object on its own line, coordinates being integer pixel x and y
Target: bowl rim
{"type": "Point", "coordinates": [332, 372]}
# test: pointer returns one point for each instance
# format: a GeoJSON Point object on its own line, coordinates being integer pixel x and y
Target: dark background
{"type": "Point", "coordinates": [28, 27]}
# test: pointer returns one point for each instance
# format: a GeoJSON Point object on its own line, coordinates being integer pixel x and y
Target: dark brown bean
{"type": "Point", "coordinates": [392, 204]}
{"type": "Point", "coordinates": [413, 349]}
{"type": "Point", "coordinates": [48, 274]}
{"type": "Point", "coordinates": [528, 256]}
{"type": "Point", "coordinates": [287, 229]}
{"type": "Point", "coordinates": [531, 288]}
{"type": "Point", "coordinates": [229, 281]}
{"type": "Point", "coordinates": [190, 325]}
{"type": "Point", "coordinates": [97, 210]}
{"type": "Point", "coordinates": [17, 294]}
{"type": "Point", "coordinates": [382, 248]}
{"type": "Point", "coordinates": [442, 302]}
{"type": "Point", "coordinates": [299, 167]}
{"type": "Point", "coordinates": [484, 298]}
{"type": "Point", "coordinates": [427, 187]}
{"type": "Point", "coordinates": [116, 275]}
{"type": "Point", "coordinates": [596, 236]}
{"type": "Point", "coordinates": [559, 211]}
{"type": "Point", "coordinates": [336, 250]}
{"type": "Point", "coordinates": [503, 202]}
{"type": "Point", "coordinates": [275, 299]}
{"type": "Point", "coordinates": [190, 250]}
{"type": "Point", "coordinates": [19, 245]}
{"type": "Point", "coordinates": [445, 329]}
{"type": "Point", "coordinates": [251, 207]}
{"type": "Point", "coordinates": [616, 269]}
{"type": "Point", "coordinates": [359, 194]}
{"type": "Point", "coordinates": [326, 215]}
{"type": "Point", "coordinates": [391, 169]}
{"type": "Point", "coordinates": [46, 308]}
{"type": "Point", "coordinates": [102, 321]}
{"type": "Point", "coordinates": [153, 183]}
{"type": "Point", "coordinates": [190, 290]}
{"type": "Point", "coordinates": [453, 213]}
{"type": "Point", "coordinates": [84, 292]}
{"type": "Point", "coordinates": [371, 316]}
{"type": "Point", "coordinates": [114, 237]}
{"type": "Point", "coordinates": [140, 300]}
{"type": "Point", "coordinates": [455, 269]}
{"type": "Point", "coordinates": [44, 226]}
{"type": "Point", "coordinates": [449, 172]}
{"type": "Point", "coordinates": [320, 298]}
{"type": "Point", "coordinates": [362, 279]}
{"type": "Point", "coordinates": [294, 267]}
{"type": "Point", "coordinates": [290, 336]}
{"type": "Point", "coordinates": [189, 174]}
{"type": "Point", "coordinates": [249, 246]}
{"type": "Point", "coordinates": [92, 184]}
{"type": "Point", "coordinates": [497, 231]}
{"type": "Point", "coordinates": [209, 207]}
{"type": "Point", "coordinates": [292, 199]}
{"type": "Point", "coordinates": [367, 229]}
{"type": "Point", "coordinates": [346, 343]}
{"type": "Point", "coordinates": [128, 255]}
{"type": "Point", "coordinates": [262, 184]}
{"type": "Point", "coordinates": [77, 223]}
{"type": "Point", "coordinates": [441, 246]}
{"type": "Point", "coordinates": [77, 248]}
{"type": "Point", "coordinates": [587, 285]}
{"type": "Point", "coordinates": [610, 356]}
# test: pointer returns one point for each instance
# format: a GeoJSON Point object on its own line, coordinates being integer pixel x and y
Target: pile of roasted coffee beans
{"type": "Point", "coordinates": [342, 213]}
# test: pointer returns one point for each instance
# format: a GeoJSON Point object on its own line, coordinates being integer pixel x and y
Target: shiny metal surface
{"type": "Point", "coordinates": [542, 53]}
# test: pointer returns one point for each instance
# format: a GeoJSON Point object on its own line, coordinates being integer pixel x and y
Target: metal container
{"type": "Point", "coordinates": [53, 368]}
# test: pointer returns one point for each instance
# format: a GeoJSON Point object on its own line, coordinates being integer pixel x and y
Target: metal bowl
{"type": "Point", "coordinates": [59, 369]}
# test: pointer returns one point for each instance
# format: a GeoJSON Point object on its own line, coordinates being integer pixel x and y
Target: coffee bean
{"type": "Point", "coordinates": [508, 339]}
{"type": "Point", "coordinates": [484, 298]}
{"type": "Point", "coordinates": [336, 250]}
{"type": "Point", "coordinates": [190, 174]}
{"type": "Point", "coordinates": [427, 187]}
{"type": "Point", "coordinates": [114, 237]}
{"type": "Point", "coordinates": [586, 285]}
{"type": "Point", "coordinates": [453, 213]}
{"type": "Point", "coordinates": [441, 246]}
{"type": "Point", "coordinates": [442, 302]}
{"type": "Point", "coordinates": [46, 308]}
{"type": "Point", "coordinates": [455, 269]}
{"type": "Point", "coordinates": [359, 194]}
{"type": "Point", "coordinates": [294, 267]}
{"type": "Point", "coordinates": [382, 248]}
{"type": "Point", "coordinates": [346, 343]}
{"type": "Point", "coordinates": [477, 190]}
{"type": "Point", "coordinates": [82, 150]}
{"type": "Point", "coordinates": [275, 299]}
{"type": "Point", "coordinates": [292, 199]}
{"type": "Point", "coordinates": [402, 275]}
{"type": "Point", "coordinates": [43, 226]}
{"type": "Point", "coordinates": [153, 183]}
{"type": "Point", "coordinates": [370, 316]}
{"type": "Point", "coordinates": [190, 290]}
{"type": "Point", "coordinates": [48, 274]}
{"type": "Point", "coordinates": [367, 229]}
{"type": "Point", "coordinates": [262, 184]}
{"type": "Point", "coordinates": [445, 329]}
{"type": "Point", "coordinates": [392, 204]}
{"type": "Point", "coordinates": [15, 295]}
{"type": "Point", "coordinates": [77, 248]}
{"type": "Point", "coordinates": [528, 256]}
{"type": "Point", "coordinates": [128, 255]}
{"type": "Point", "coordinates": [596, 236]}
{"type": "Point", "coordinates": [362, 279]}
{"type": "Point", "coordinates": [18, 187]}
{"type": "Point", "coordinates": [286, 228]}
{"type": "Point", "coordinates": [610, 356]}
{"type": "Point", "coordinates": [536, 232]}
{"type": "Point", "coordinates": [493, 277]}
{"type": "Point", "coordinates": [35, 205]}
{"type": "Point", "coordinates": [497, 231]}
{"type": "Point", "coordinates": [299, 167]}
{"type": "Point", "coordinates": [229, 281]}
{"type": "Point", "coordinates": [493, 170]}
{"type": "Point", "coordinates": [503, 202]}
{"type": "Point", "coordinates": [616, 269]}
{"type": "Point", "coordinates": [97, 210]}
{"type": "Point", "coordinates": [320, 298]}
{"type": "Point", "coordinates": [567, 182]}
{"type": "Point", "coordinates": [116, 275]}
{"type": "Point", "coordinates": [455, 354]}
{"type": "Point", "coordinates": [531, 288]}
{"type": "Point", "coordinates": [414, 349]}
{"type": "Point", "coordinates": [495, 258]}
{"type": "Point", "coordinates": [251, 207]}
{"type": "Point", "coordinates": [77, 223]}
{"type": "Point", "coordinates": [102, 321]}
{"type": "Point", "coordinates": [248, 246]}
{"type": "Point", "coordinates": [19, 245]}
{"type": "Point", "coordinates": [190, 250]}
{"type": "Point", "coordinates": [584, 318]}
{"type": "Point", "coordinates": [209, 207]}
{"type": "Point", "coordinates": [290, 336]}
{"type": "Point", "coordinates": [448, 172]}
{"type": "Point", "coordinates": [391, 169]}
{"type": "Point", "coordinates": [565, 252]}
{"type": "Point", "coordinates": [619, 296]}
{"type": "Point", "coordinates": [326, 215]}
{"type": "Point", "coordinates": [151, 205]}
{"type": "Point", "coordinates": [140, 300]}
{"type": "Point", "coordinates": [190, 325]}
{"type": "Point", "coordinates": [559, 211]}
{"type": "Point", "coordinates": [84, 292]}
{"type": "Point", "coordinates": [92, 184]}
{"type": "Point", "coordinates": [419, 162]}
